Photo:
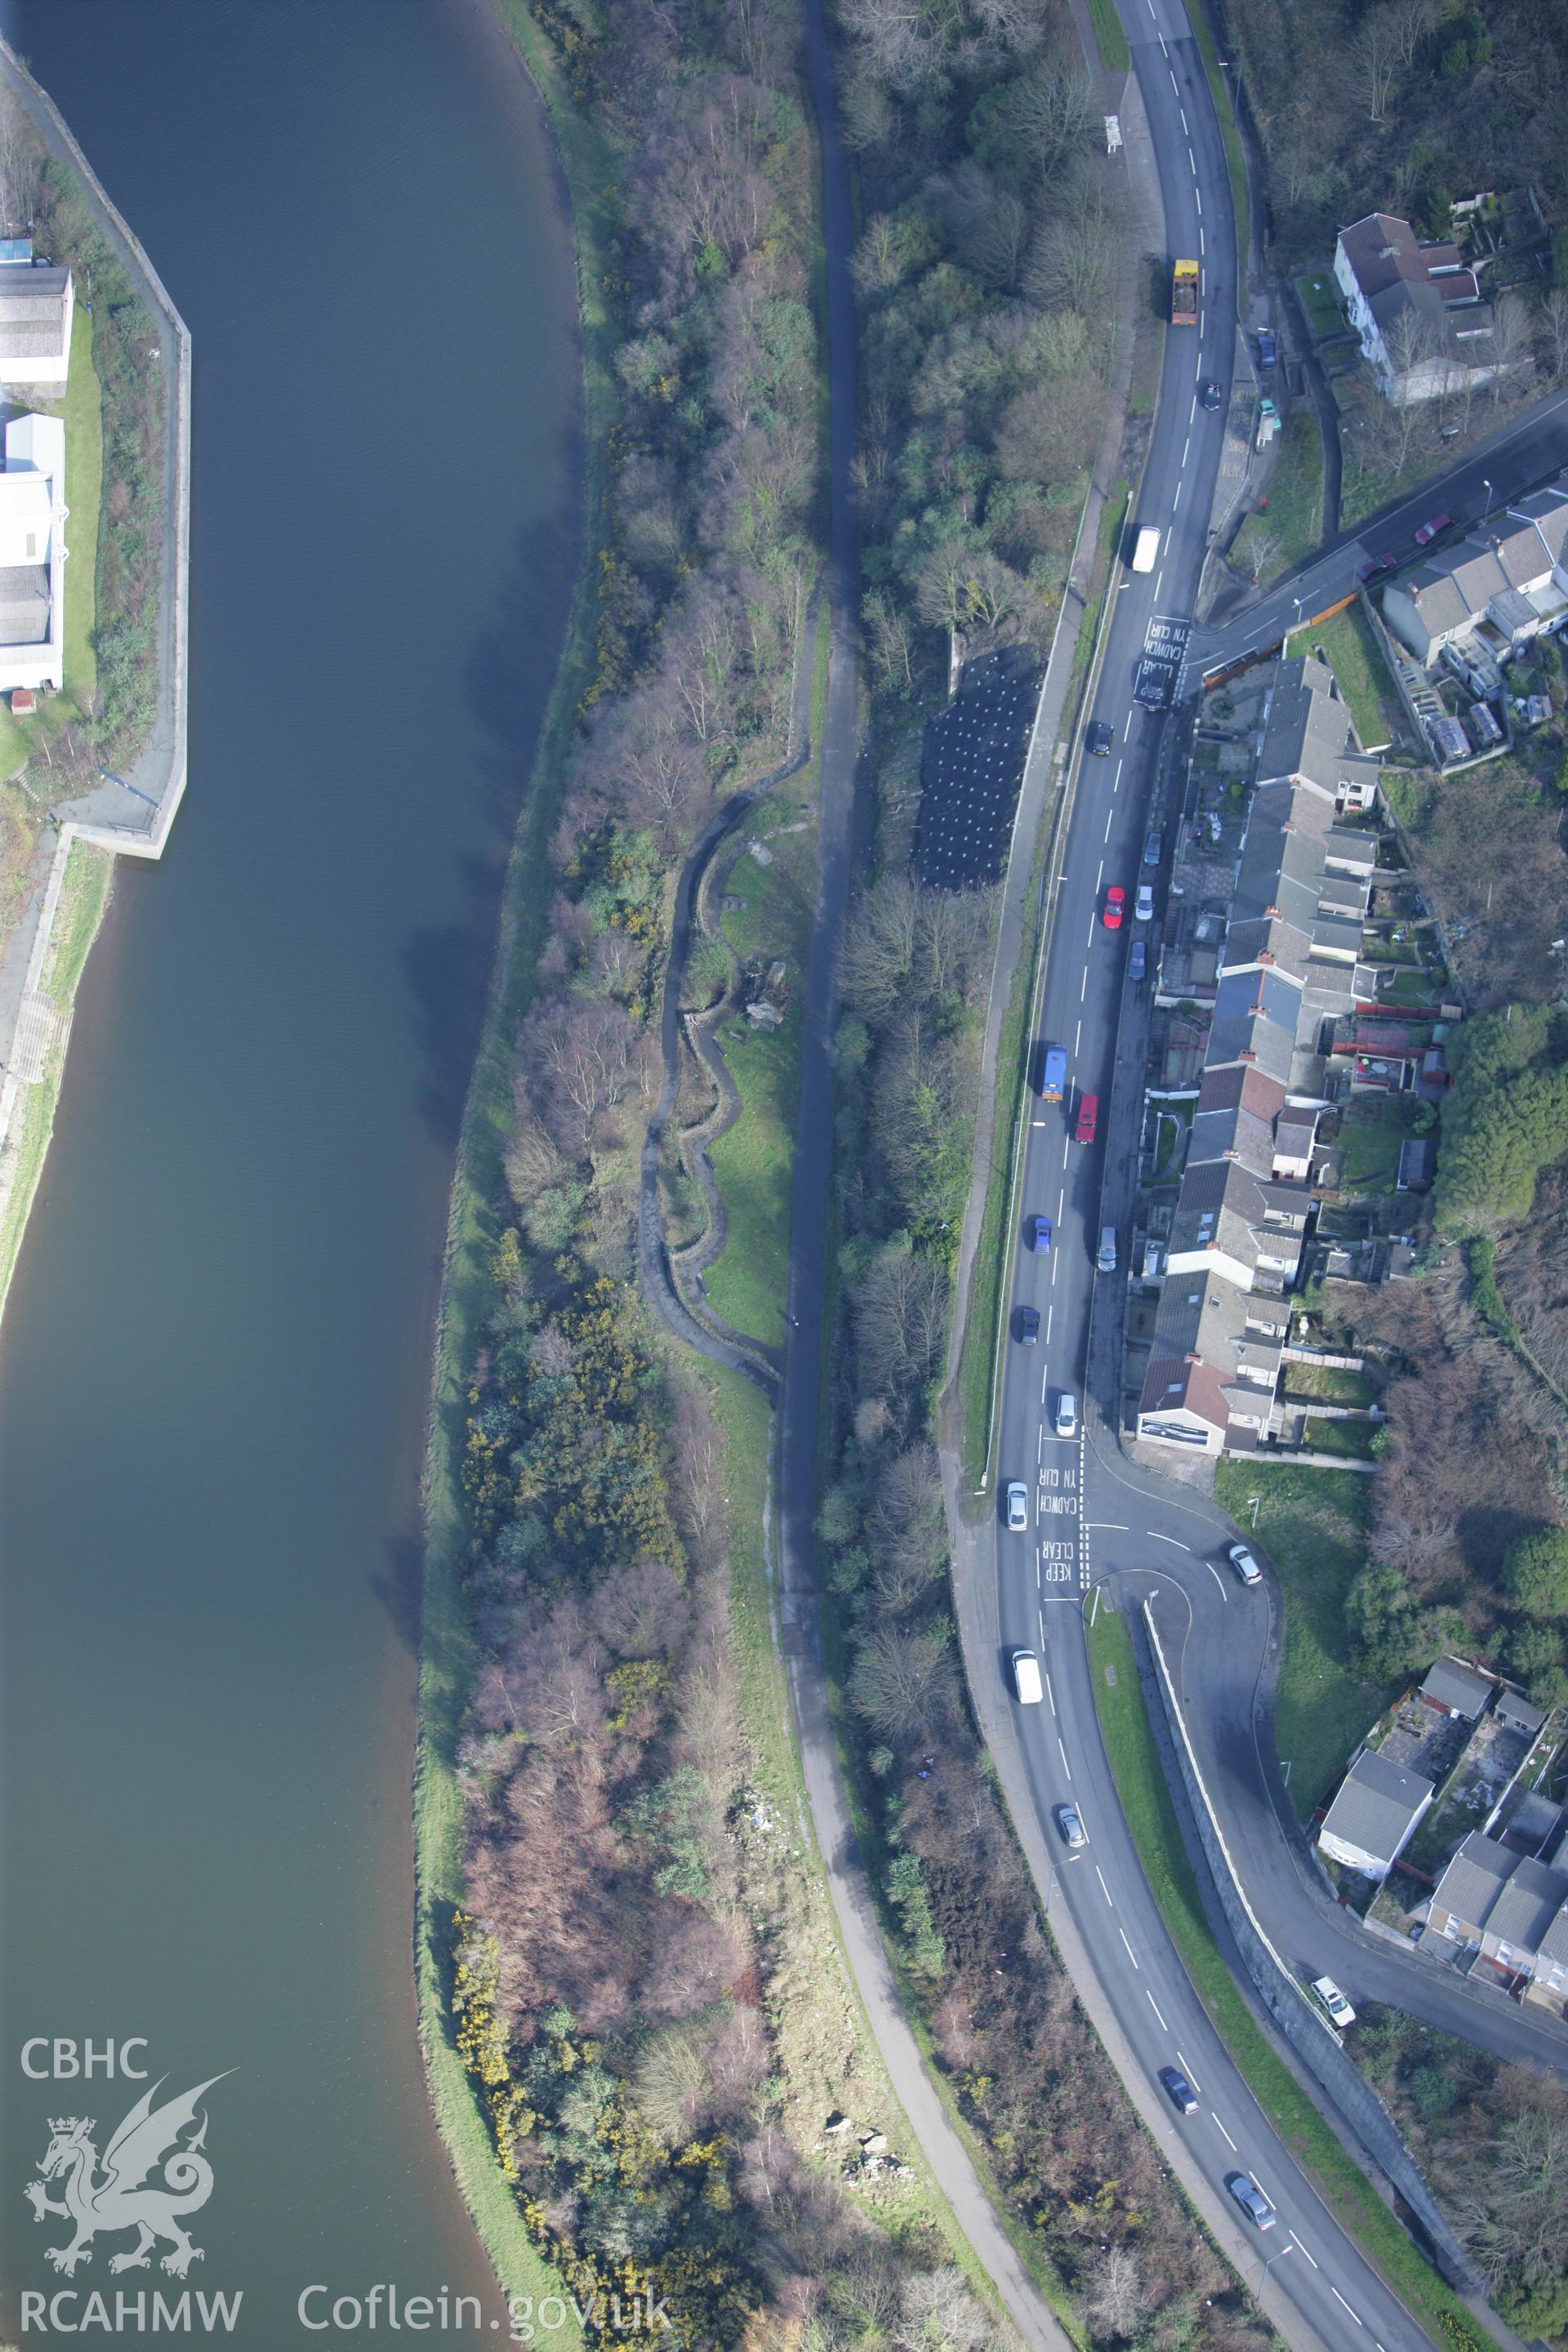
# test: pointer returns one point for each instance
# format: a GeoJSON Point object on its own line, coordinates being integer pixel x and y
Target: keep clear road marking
{"type": "Point", "coordinates": [1165, 2028]}
{"type": "Point", "coordinates": [1344, 2306]}
{"type": "Point", "coordinates": [1130, 1953]}
{"type": "Point", "coordinates": [1224, 2134]}
{"type": "Point", "coordinates": [1158, 1537]}
{"type": "Point", "coordinates": [1103, 1888]}
{"type": "Point", "coordinates": [1300, 2248]}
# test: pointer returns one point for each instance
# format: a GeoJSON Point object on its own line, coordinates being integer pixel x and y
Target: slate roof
{"type": "Point", "coordinates": [1547, 510]}
{"type": "Point", "coordinates": [1474, 1879]}
{"type": "Point", "coordinates": [1521, 1712]}
{"type": "Point", "coordinates": [1376, 1805]}
{"type": "Point", "coordinates": [1458, 1687]}
{"type": "Point", "coordinates": [1554, 1944]}
{"type": "Point", "coordinates": [1526, 1905]}
{"type": "Point", "coordinates": [1307, 727]}
{"type": "Point", "coordinates": [1383, 250]}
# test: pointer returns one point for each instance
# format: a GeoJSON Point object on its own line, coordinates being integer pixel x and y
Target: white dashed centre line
{"type": "Point", "coordinates": [1108, 817]}
{"type": "Point", "coordinates": [1158, 1537]}
{"type": "Point", "coordinates": [1198, 200]}
{"type": "Point", "coordinates": [1103, 1888]}
{"type": "Point", "coordinates": [1344, 2306]}
{"type": "Point", "coordinates": [1083, 985]}
{"type": "Point", "coordinates": [1224, 2134]}
{"type": "Point", "coordinates": [1130, 1953]}
{"type": "Point", "coordinates": [1183, 112]}
{"type": "Point", "coordinates": [1188, 443]}
{"type": "Point", "coordinates": [1050, 1694]}
{"type": "Point", "coordinates": [1189, 2074]}
{"type": "Point", "coordinates": [1078, 1038]}
{"type": "Point", "coordinates": [1300, 2248]}
{"type": "Point", "coordinates": [1061, 1202]}
{"type": "Point", "coordinates": [1155, 2006]}
{"type": "Point", "coordinates": [1066, 1768]}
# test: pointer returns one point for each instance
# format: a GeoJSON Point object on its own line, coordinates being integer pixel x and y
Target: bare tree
{"type": "Point", "coordinates": [1120, 2299]}
{"type": "Point", "coordinates": [902, 1683]}
{"type": "Point", "coordinates": [901, 1322]}
{"type": "Point", "coordinates": [1376, 53]}
{"type": "Point", "coordinates": [1409, 22]}
{"type": "Point", "coordinates": [1552, 329]}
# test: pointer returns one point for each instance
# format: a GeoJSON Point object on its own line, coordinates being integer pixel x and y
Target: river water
{"type": "Point", "coordinates": [215, 1361]}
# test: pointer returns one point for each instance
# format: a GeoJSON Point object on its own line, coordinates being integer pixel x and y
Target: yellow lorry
{"type": "Point", "coordinates": [1184, 294]}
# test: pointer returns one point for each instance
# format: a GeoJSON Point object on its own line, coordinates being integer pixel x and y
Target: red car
{"type": "Point", "coordinates": [1428, 530]}
{"type": "Point", "coordinates": [1115, 908]}
{"type": "Point", "coordinates": [1088, 1113]}
{"type": "Point", "coordinates": [1374, 565]}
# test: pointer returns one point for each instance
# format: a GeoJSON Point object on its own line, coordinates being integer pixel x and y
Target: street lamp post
{"type": "Point", "coordinates": [1255, 1500]}
{"type": "Point", "coordinates": [1487, 510]}
{"type": "Point", "coordinates": [1268, 2265]}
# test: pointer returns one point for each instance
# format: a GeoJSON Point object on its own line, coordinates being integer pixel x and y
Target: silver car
{"type": "Point", "coordinates": [1246, 1567]}
{"type": "Point", "coordinates": [1070, 1825]}
{"type": "Point", "coordinates": [1017, 1507]}
{"type": "Point", "coordinates": [1251, 2200]}
{"type": "Point", "coordinates": [1067, 1414]}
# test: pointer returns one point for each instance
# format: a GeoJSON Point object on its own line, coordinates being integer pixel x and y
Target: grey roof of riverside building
{"type": "Point", "coordinates": [32, 312]}
{"type": "Point", "coordinates": [24, 604]}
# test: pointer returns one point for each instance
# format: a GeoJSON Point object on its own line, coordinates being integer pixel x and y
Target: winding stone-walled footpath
{"type": "Point", "coordinates": [130, 816]}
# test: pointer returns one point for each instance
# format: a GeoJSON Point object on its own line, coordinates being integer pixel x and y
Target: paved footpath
{"type": "Point", "coordinates": [131, 816]}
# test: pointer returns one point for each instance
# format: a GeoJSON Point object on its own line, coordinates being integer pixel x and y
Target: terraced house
{"type": "Point", "coordinates": [1289, 968]}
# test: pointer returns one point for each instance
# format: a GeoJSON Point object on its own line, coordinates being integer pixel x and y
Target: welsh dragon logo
{"type": "Point", "coordinates": [124, 2195]}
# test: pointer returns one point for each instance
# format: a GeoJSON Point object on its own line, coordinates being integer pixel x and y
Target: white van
{"type": "Point", "coordinates": [1334, 2000]}
{"type": "Point", "coordinates": [1026, 1678]}
{"type": "Point", "coordinates": [1106, 1261]}
{"type": "Point", "coordinates": [1146, 550]}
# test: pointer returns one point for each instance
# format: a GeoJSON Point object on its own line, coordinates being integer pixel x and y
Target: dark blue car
{"type": "Point", "coordinates": [1178, 2090]}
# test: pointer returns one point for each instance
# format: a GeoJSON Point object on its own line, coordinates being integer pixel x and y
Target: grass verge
{"type": "Point", "coordinates": [1109, 38]}
{"type": "Point", "coordinates": [1152, 1819]}
{"type": "Point", "coordinates": [1311, 1523]}
{"type": "Point", "coordinates": [445, 1648]}
{"type": "Point", "coordinates": [84, 896]}
{"type": "Point", "coordinates": [748, 1282]}
{"type": "Point", "coordinates": [1292, 526]}
{"type": "Point", "coordinates": [1354, 655]}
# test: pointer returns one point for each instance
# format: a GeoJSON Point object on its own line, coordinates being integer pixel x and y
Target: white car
{"type": "Point", "coordinates": [1067, 1414]}
{"type": "Point", "coordinates": [1334, 2000]}
{"type": "Point", "coordinates": [1246, 1567]}
{"type": "Point", "coordinates": [1143, 907]}
{"type": "Point", "coordinates": [1026, 1678]}
{"type": "Point", "coordinates": [1017, 1507]}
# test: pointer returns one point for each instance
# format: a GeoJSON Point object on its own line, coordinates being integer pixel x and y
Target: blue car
{"type": "Point", "coordinates": [1178, 2090]}
{"type": "Point", "coordinates": [1039, 1232]}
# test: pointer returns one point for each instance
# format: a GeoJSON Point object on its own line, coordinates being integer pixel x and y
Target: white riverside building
{"type": "Point", "coordinates": [33, 513]}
